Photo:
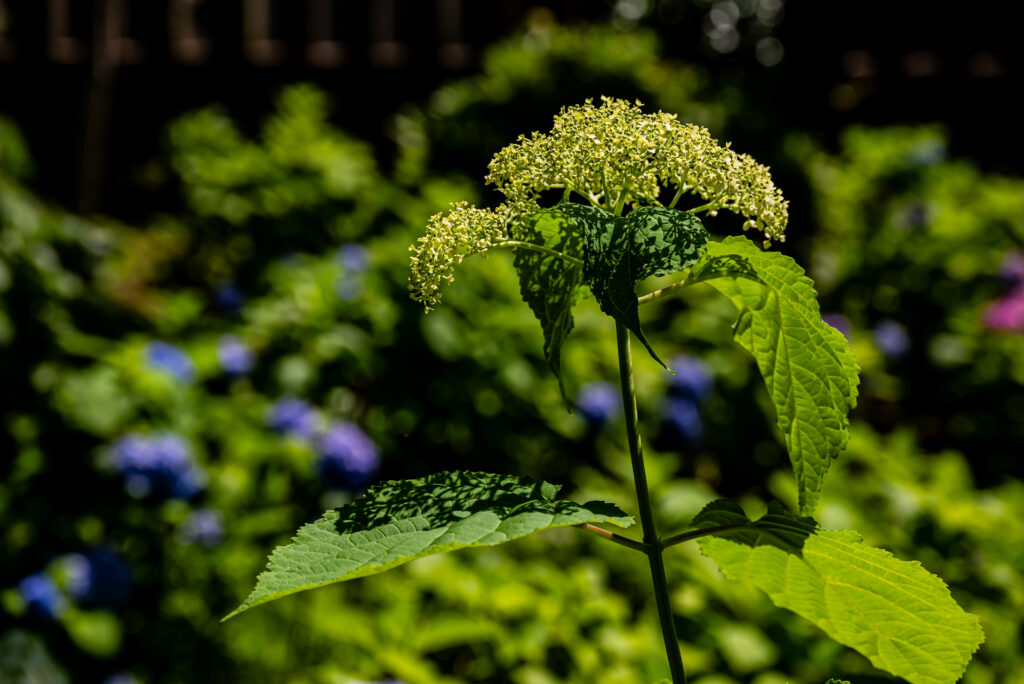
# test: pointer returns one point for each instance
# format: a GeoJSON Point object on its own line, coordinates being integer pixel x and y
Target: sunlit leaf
{"type": "Point", "coordinates": [402, 520]}
{"type": "Point", "coordinates": [807, 365]}
{"type": "Point", "coordinates": [896, 613]}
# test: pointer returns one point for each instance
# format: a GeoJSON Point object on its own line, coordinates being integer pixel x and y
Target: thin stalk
{"type": "Point", "coordinates": [697, 534]}
{"type": "Point", "coordinates": [620, 202]}
{"type": "Point", "coordinates": [710, 206]}
{"type": "Point", "coordinates": [617, 538]}
{"type": "Point", "coordinates": [679, 193]}
{"type": "Point", "coordinates": [538, 248]}
{"type": "Point", "coordinates": [643, 496]}
{"type": "Point", "coordinates": [658, 294]}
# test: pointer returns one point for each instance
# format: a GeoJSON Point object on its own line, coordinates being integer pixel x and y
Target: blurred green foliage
{"type": "Point", "coordinates": [262, 250]}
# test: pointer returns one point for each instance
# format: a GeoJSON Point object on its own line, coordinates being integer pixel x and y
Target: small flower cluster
{"type": "Point", "coordinates": [1006, 314]}
{"type": "Point", "coordinates": [355, 261]}
{"type": "Point", "coordinates": [97, 579]}
{"type": "Point", "coordinates": [892, 339]}
{"type": "Point", "coordinates": [610, 154]}
{"type": "Point", "coordinates": [204, 526]}
{"type": "Point", "coordinates": [450, 238]}
{"type": "Point", "coordinates": [294, 417]}
{"type": "Point", "coordinates": [159, 466]}
{"type": "Point", "coordinates": [691, 386]}
{"type": "Point", "coordinates": [234, 355]}
{"type": "Point", "coordinates": [599, 402]}
{"type": "Point", "coordinates": [170, 359]}
{"type": "Point", "coordinates": [602, 152]}
{"type": "Point", "coordinates": [348, 457]}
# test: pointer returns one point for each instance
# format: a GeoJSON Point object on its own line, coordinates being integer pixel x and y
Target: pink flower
{"type": "Point", "coordinates": [1007, 314]}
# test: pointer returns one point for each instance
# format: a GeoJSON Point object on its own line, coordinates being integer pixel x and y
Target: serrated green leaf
{"type": "Point", "coordinates": [549, 284]}
{"type": "Point", "coordinates": [807, 365]}
{"type": "Point", "coordinates": [620, 252]}
{"type": "Point", "coordinates": [837, 681]}
{"type": "Point", "coordinates": [896, 613]}
{"type": "Point", "coordinates": [401, 520]}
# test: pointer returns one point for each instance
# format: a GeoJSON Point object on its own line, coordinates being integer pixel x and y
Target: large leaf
{"type": "Point", "coordinates": [620, 252]}
{"type": "Point", "coordinates": [897, 614]}
{"type": "Point", "coordinates": [401, 520]}
{"type": "Point", "coordinates": [549, 284]}
{"type": "Point", "coordinates": [808, 366]}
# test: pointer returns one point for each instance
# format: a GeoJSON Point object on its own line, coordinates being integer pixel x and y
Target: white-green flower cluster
{"type": "Point", "coordinates": [452, 236]}
{"type": "Point", "coordinates": [614, 154]}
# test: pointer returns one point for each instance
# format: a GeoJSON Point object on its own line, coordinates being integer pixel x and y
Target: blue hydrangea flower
{"type": "Point", "coordinates": [43, 598]}
{"type": "Point", "coordinates": [160, 466]}
{"type": "Point", "coordinates": [170, 359]}
{"type": "Point", "coordinates": [839, 322]}
{"type": "Point", "coordinates": [229, 298]}
{"type": "Point", "coordinates": [891, 338]}
{"type": "Point", "coordinates": [97, 579]}
{"type": "Point", "coordinates": [293, 417]}
{"type": "Point", "coordinates": [599, 402]}
{"type": "Point", "coordinates": [121, 678]}
{"type": "Point", "coordinates": [682, 419]}
{"type": "Point", "coordinates": [693, 379]}
{"type": "Point", "coordinates": [77, 574]}
{"type": "Point", "coordinates": [348, 457]}
{"type": "Point", "coordinates": [204, 526]}
{"type": "Point", "coordinates": [235, 356]}
{"type": "Point", "coordinates": [349, 288]}
{"type": "Point", "coordinates": [354, 258]}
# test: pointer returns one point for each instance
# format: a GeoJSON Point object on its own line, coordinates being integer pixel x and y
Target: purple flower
{"type": "Point", "coordinates": [1011, 270]}
{"type": "Point", "coordinates": [1006, 314]}
{"type": "Point", "coordinates": [693, 379]}
{"type": "Point", "coordinates": [354, 257]}
{"type": "Point", "coordinates": [891, 338]}
{"type": "Point", "coordinates": [42, 597]}
{"type": "Point", "coordinates": [229, 298]}
{"type": "Point", "coordinates": [348, 457]}
{"type": "Point", "coordinates": [599, 402]}
{"type": "Point", "coordinates": [682, 418]}
{"type": "Point", "coordinates": [293, 417]}
{"type": "Point", "coordinates": [204, 526]}
{"type": "Point", "coordinates": [159, 466]}
{"type": "Point", "coordinates": [97, 579]}
{"type": "Point", "coordinates": [839, 322]}
{"type": "Point", "coordinates": [234, 355]}
{"type": "Point", "coordinates": [170, 359]}
{"type": "Point", "coordinates": [121, 678]}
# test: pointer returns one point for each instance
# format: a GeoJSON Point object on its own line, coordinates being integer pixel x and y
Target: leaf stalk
{"type": "Point", "coordinates": [538, 248]}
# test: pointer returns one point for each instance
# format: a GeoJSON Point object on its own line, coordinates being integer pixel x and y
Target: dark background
{"type": "Point", "coordinates": [93, 82]}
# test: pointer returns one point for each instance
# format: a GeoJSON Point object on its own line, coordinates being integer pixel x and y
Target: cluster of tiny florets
{"type": "Point", "coordinates": [616, 154]}
{"type": "Point", "coordinates": [612, 155]}
{"type": "Point", "coordinates": [451, 236]}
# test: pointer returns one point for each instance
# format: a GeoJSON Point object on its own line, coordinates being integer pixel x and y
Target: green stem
{"type": "Point", "coordinates": [537, 248]}
{"type": "Point", "coordinates": [653, 551]}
